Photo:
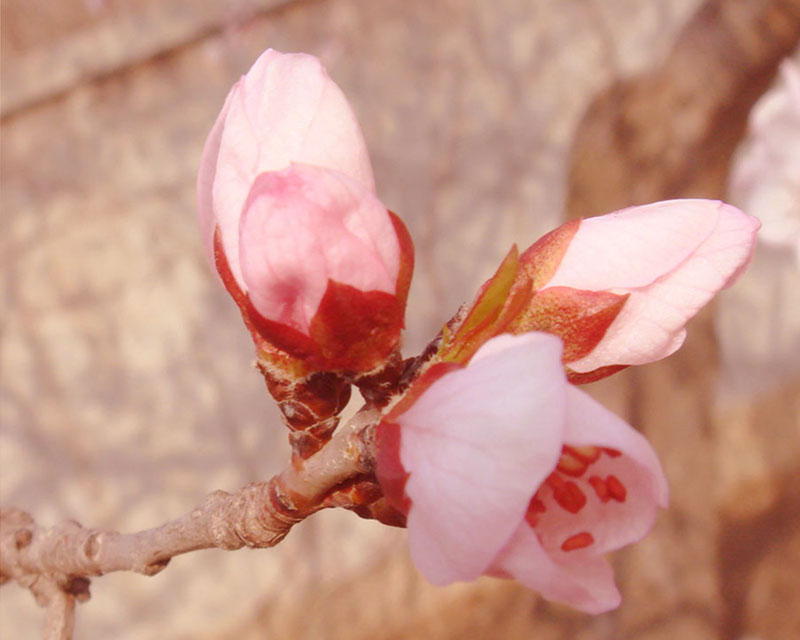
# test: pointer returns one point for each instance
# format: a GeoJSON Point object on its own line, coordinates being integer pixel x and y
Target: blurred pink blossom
{"type": "Point", "coordinates": [765, 176]}
{"type": "Point", "coordinates": [503, 468]}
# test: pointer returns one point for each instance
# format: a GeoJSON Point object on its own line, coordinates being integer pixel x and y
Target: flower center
{"type": "Point", "coordinates": [573, 465]}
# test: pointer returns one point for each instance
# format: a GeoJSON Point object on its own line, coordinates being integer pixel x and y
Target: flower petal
{"type": "Point", "coordinates": [589, 423]}
{"type": "Point", "coordinates": [205, 178]}
{"type": "Point", "coordinates": [587, 585]}
{"type": "Point", "coordinates": [634, 247]}
{"type": "Point", "coordinates": [540, 557]}
{"type": "Point", "coordinates": [672, 257]}
{"type": "Point", "coordinates": [476, 443]}
{"type": "Point", "coordinates": [285, 110]}
{"type": "Point", "coordinates": [306, 226]}
{"type": "Point", "coordinates": [612, 523]}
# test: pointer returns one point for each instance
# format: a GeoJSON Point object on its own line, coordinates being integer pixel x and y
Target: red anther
{"type": "Point", "coordinates": [578, 541]}
{"type": "Point", "coordinates": [588, 455]}
{"type": "Point", "coordinates": [612, 452]}
{"type": "Point", "coordinates": [600, 489]}
{"type": "Point", "coordinates": [554, 481]}
{"type": "Point", "coordinates": [616, 488]}
{"type": "Point", "coordinates": [531, 519]}
{"type": "Point", "coordinates": [536, 505]}
{"type": "Point", "coordinates": [570, 497]}
{"type": "Point", "coordinates": [571, 466]}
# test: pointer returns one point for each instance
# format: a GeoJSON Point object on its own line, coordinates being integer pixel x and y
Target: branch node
{"type": "Point", "coordinates": [22, 538]}
{"type": "Point", "coordinates": [155, 567]}
{"type": "Point", "coordinates": [92, 546]}
{"type": "Point", "coordinates": [54, 563]}
{"type": "Point", "coordinates": [78, 587]}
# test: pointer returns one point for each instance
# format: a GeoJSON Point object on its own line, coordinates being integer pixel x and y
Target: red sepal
{"type": "Point", "coordinates": [241, 299]}
{"type": "Point", "coordinates": [352, 331]}
{"type": "Point", "coordinates": [406, 270]}
{"type": "Point", "coordinates": [267, 350]}
{"type": "Point", "coordinates": [355, 330]}
{"type": "Point", "coordinates": [225, 273]}
{"type": "Point", "coordinates": [575, 377]}
{"type": "Point", "coordinates": [282, 336]}
{"type": "Point", "coordinates": [541, 259]}
{"type": "Point", "coordinates": [580, 318]}
{"type": "Point", "coordinates": [389, 470]}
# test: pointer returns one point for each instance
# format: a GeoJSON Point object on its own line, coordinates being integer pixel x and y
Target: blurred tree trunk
{"type": "Point", "coordinates": [668, 134]}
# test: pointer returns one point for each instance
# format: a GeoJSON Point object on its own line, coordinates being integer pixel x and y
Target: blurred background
{"type": "Point", "coordinates": [127, 387]}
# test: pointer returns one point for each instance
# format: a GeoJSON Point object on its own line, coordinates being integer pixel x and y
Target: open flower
{"type": "Point", "coordinates": [617, 289]}
{"type": "Point", "coordinates": [287, 206]}
{"type": "Point", "coordinates": [505, 469]}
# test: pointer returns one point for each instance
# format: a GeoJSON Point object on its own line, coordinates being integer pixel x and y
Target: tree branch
{"type": "Point", "coordinates": [54, 563]}
{"type": "Point", "coordinates": [60, 607]}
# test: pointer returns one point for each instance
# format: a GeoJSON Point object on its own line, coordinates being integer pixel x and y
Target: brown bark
{"type": "Point", "coordinates": [671, 132]}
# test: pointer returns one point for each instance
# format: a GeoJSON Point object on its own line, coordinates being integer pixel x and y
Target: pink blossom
{"type": "Point", "coordinates": [765, 176]}
{"type": "Point", "coordinates": [288, 209]}
{"type": "Point", "coordinates": [619, 288]}
{"type": "Point", "coordinates": [505, 469]}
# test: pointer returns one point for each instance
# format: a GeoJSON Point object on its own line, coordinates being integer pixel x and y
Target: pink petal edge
{"type": "Point", "coordinates": [589, 586]}
{"type": "Point", "coordinates": [206, 175]}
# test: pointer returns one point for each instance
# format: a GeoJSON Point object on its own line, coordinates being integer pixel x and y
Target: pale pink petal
{"type": "Point", "coordinates": [302, 116]}
{"type": "Point", "coordinates": [581, 577]}
{"type": "Point", "coordinates": [587, 585]}
{"type": "Point", "coordinates": [634, 247]}
{"type": "Point", "coordinates": [672, 257]}
{"type": "Point", "coordinates": [205, 178]}
{"type": "Point", "coordinates": [589, 423]}
{"type": "Point", "coordinates": [476, 444]}
{"type": "Point", "coordinates": [305, 226]}
{"type": "Point", "coordinates": [286, 110]}
{"type": "Point", "coordinates": [613, 524]}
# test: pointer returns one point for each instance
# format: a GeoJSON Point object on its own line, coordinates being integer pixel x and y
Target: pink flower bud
{"type": "Point", "coordinates": [620, 288]}
{"type": "Point", "coordinates": [321, 261]}
{"type": "Point", "coordinates": [617, 289]}
{"type": "Point", "coordinates": [505, 469]}
{"type": "Point", "coordinates": [288, 209]}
